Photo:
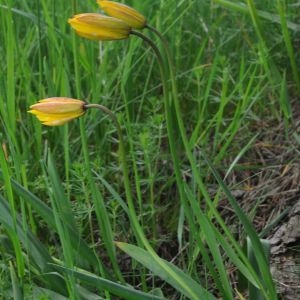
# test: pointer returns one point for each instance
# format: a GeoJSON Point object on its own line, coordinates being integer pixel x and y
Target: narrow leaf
{"type": "Point", "coordinates": [126, 292]}
{"type": "Point", "coordinates": [161, 267]}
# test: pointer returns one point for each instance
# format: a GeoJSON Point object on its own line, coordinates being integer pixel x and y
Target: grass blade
{"type": "Point", "coordinates": [268, 284]}
{"type": "Point", "coordinates": [38, 253]}
{"type": "Point", "coordinates": [158, 266]}
{"type": "Point", "coordinates": [125, 292]}
{"type": "Point", "coordinates": [17, 290]}
{"type": "Point", "coordinates": [281, 7]}
{"type": "Point", "coordinates": [47, 214]}
{"type": "Point", "coordinates": [241, 7]}
{"type": "Point", "coordinates": [254, 292]}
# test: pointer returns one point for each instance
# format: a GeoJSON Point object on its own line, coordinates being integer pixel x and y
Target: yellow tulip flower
{"type": "Point", "coordinates": [99, 27]}
{"type": "Point", "coordinates": [57, 110]}
{"type": "Point", "coordinates": [123, 12]}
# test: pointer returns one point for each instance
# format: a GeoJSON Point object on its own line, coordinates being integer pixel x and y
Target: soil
{"type": "Point", "coordinates": [267, 185]}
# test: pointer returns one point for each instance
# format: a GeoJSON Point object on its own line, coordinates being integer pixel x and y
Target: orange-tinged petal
{"type": "Point", "coordinates": [58, 105]}
{"type": "Point", "coordinates": [123, 12]}
{"type": "Point", "coordinates": [57, 110]}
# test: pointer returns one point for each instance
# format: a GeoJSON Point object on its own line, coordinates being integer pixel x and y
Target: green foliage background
{"type": "Point", "coordinates": [236, 66]}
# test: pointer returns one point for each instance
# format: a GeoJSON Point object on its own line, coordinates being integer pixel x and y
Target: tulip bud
{"type": "Point", "coordinates": [57, 110]}
{"type": "Point", "coordinates": [99, 27]}
{"type": "Point", "coordinates": [123, 12]}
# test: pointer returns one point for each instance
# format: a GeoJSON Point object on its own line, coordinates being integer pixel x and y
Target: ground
{"type": "Point", "coordinates": [267, 185]}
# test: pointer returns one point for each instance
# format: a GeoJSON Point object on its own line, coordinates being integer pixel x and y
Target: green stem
{"type": "Point", "coordinates": [133, 217]}
{"type": "Point", "coordinates": [168, 109]}
{"type": "Point", "coordinates": [142, 240]}
{"type": "Point", "coordinates": [179, 118]}
{"type": "Point", "coordinates": [176, 104]}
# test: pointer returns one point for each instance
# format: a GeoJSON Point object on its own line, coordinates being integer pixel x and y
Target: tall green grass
{"type": "Point", "coordinates": [65, 223]}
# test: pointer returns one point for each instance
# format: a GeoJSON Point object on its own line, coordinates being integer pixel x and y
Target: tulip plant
{"type": "Point", "coordinates": [123, 22]}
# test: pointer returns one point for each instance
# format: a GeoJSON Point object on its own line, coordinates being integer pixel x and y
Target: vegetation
{"type": "Point", "coordinates": [89, 210]}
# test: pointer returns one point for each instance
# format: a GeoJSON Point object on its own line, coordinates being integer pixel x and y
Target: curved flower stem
{"type": "Point", "coordinates": [142, 240]}
{"type": "Point", "coordinates": [168, 108]}
{"type": "Point", "coordinates": [179, 118]}
{"type": "Point", "coordinates": [171, 70]}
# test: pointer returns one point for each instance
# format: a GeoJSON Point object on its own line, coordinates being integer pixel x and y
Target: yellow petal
{"type": "Point", "coordinates": [57, 122]}
{"type": "Point", "coordinates": [99, 27]}
{"type": "Point", "coordinates": [123, 12]}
